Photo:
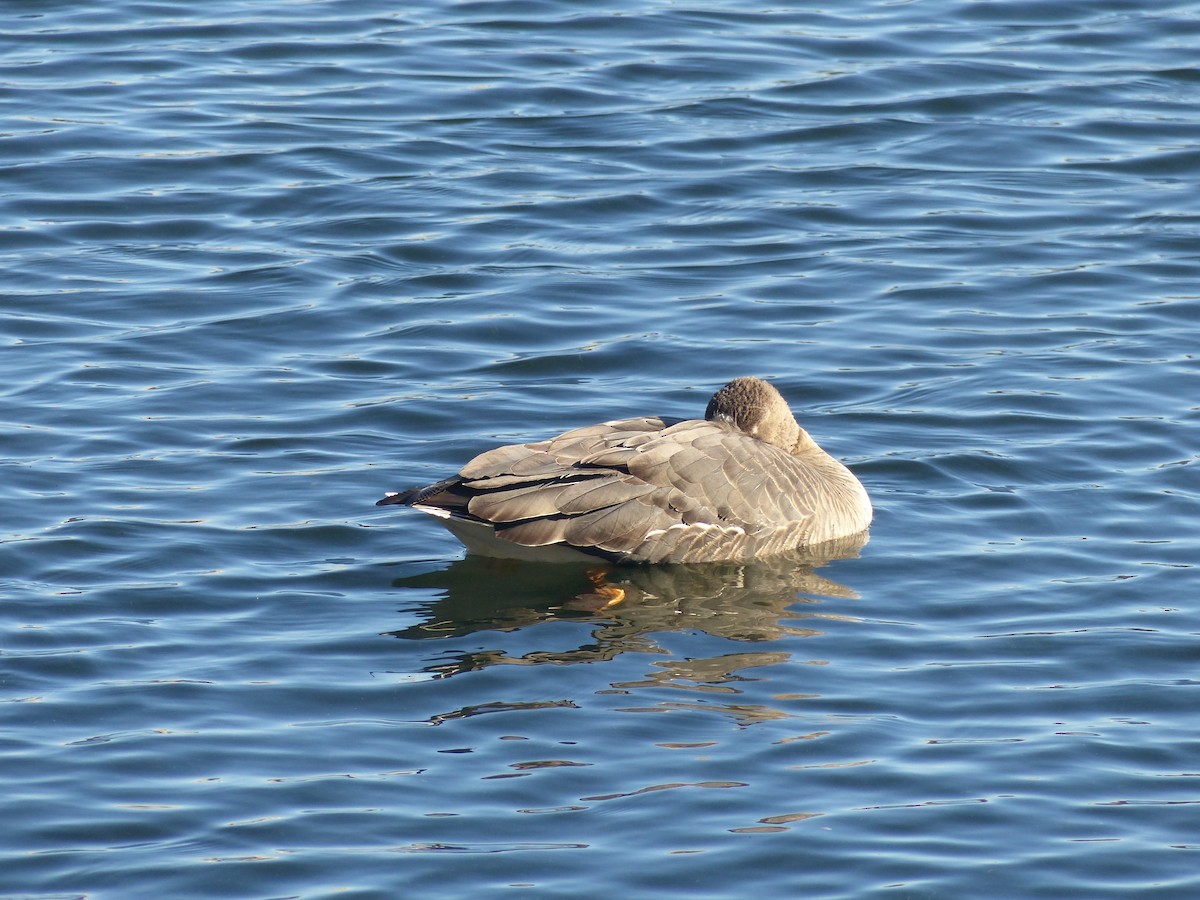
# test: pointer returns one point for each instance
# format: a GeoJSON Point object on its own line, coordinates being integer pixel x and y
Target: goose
{"type": "Point", "coordinates": [744, 482]}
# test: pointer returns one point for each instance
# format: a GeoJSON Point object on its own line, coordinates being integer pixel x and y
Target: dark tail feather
{"type": "Point", "coordinates": [416, 495]}
{"type": "Point", "coordinates": [401, 499]}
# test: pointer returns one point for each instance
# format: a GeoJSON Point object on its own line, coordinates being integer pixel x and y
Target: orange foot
{"type": "Point", "coordinates": [609, 594]}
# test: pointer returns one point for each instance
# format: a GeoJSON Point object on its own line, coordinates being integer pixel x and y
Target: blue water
{"type": "Point", "coordinates": [262, 262]}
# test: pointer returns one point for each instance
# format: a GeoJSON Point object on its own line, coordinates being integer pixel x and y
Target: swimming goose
{"type": "Point", "coordinates": [745, 481]}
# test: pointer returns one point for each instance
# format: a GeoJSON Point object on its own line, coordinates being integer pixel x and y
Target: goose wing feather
{"type": "Point", "coordinates": [641, 488]}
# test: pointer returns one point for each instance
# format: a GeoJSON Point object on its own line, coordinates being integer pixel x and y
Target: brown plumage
{"type": "Point", "coordinates": [744, 481]}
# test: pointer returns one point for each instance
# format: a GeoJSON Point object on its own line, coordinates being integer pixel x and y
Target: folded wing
{"type": "Point", "coordinates": [643, 489]}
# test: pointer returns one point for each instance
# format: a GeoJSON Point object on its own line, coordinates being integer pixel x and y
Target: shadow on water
{"type": "Point", "coordinates": [750, 602]}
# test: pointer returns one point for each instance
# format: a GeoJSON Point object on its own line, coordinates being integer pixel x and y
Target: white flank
{"type": "Point", "coordinates": [699, 526]}
{"type": "Point", "coordinates": [481, 540]}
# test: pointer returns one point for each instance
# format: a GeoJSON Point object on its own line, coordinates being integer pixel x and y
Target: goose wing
{"type": "Point", "coordinates": [644, 489]}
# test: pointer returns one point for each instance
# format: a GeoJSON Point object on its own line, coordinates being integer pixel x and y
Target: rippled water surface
{"type": "Point", "coordinates": [264, 261]}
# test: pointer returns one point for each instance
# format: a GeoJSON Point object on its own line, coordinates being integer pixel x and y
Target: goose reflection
{"type": "Point", "coordinates": [754, 601]}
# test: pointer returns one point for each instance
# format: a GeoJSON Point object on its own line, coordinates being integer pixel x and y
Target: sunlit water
{"type": "Point", "coordinates": [264, 262]}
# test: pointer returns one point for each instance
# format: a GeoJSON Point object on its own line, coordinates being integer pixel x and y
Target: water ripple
{"type": "Point", "coordinates": [262, 264]}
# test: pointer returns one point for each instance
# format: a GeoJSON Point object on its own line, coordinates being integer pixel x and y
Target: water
{"type": "Point", "coordinates": [262, 263]}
